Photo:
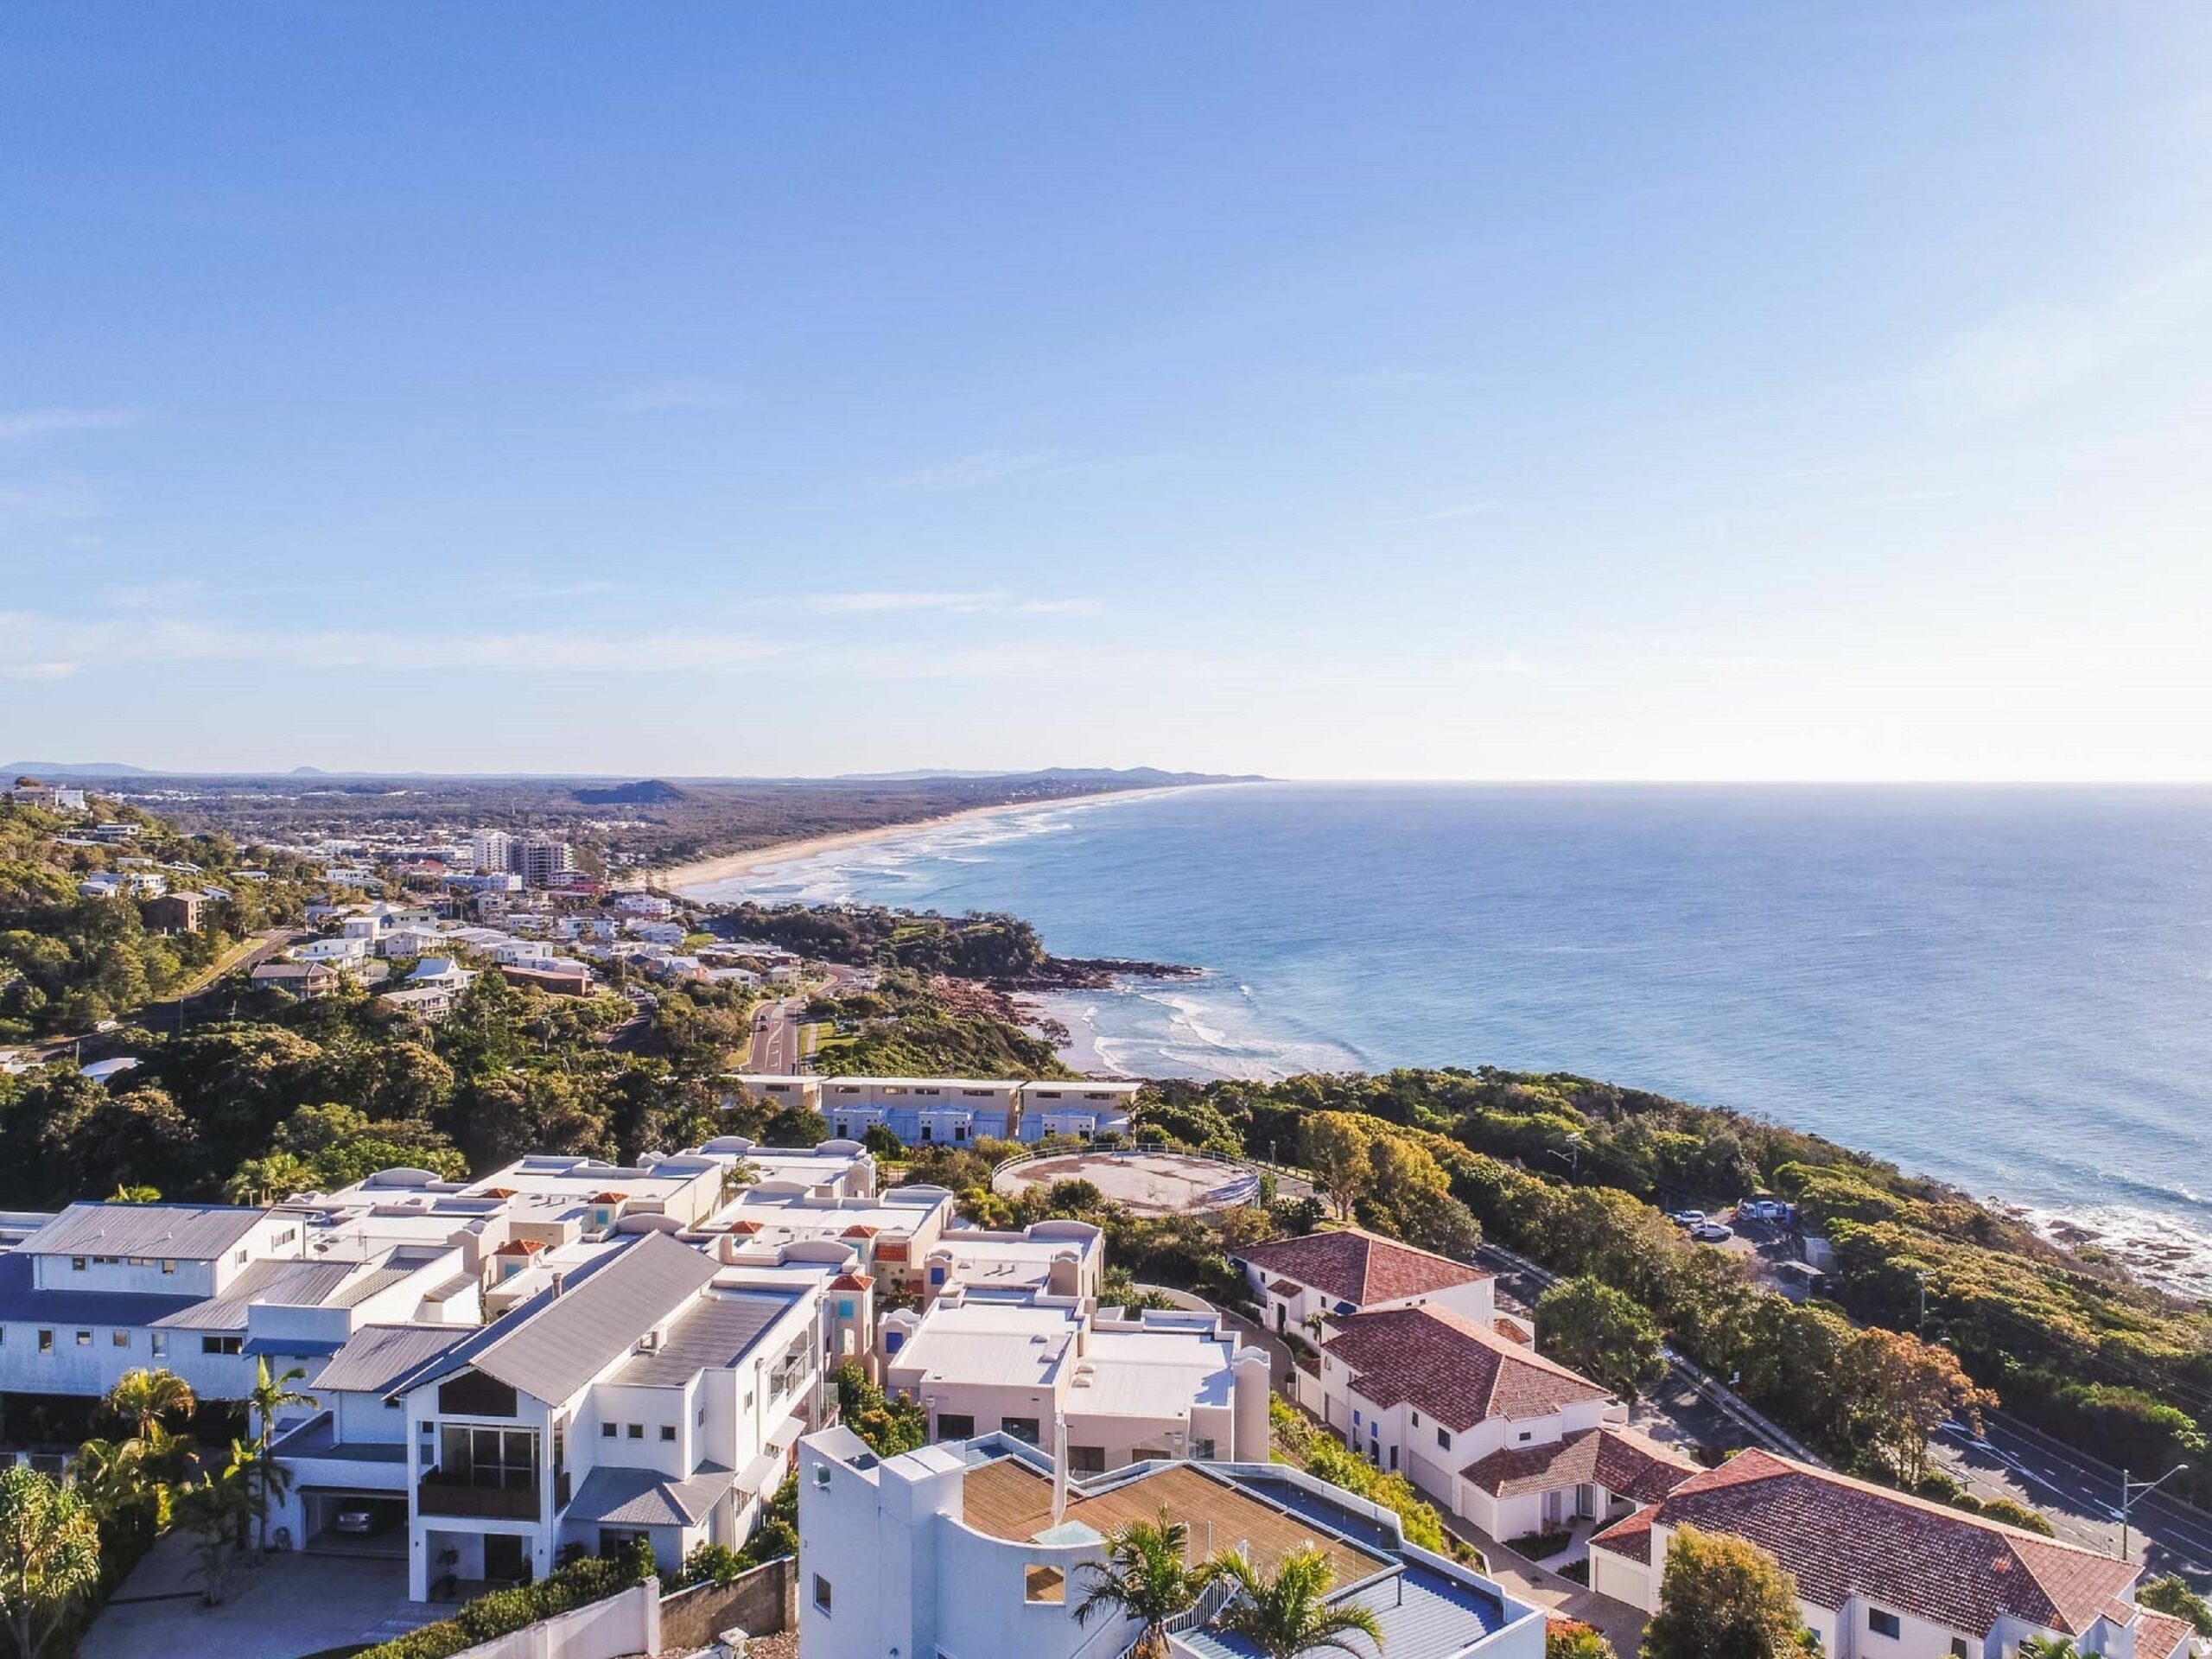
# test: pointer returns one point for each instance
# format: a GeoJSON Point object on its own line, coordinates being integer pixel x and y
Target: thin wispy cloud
{"type": "Point", "coordinates": [20, 424]}
{"type": "Point", "coordinates": [970, 603]}
{"type": "Point", "coordinates": [44, 671]}
{"type": "Point", "coordinates": [984, 466]}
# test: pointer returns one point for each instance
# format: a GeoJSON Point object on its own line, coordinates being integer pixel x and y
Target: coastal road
{"type": "Point", "coordinates": [2080, 1494]}
{"type": "Point", "coordinates": [775, 1037]}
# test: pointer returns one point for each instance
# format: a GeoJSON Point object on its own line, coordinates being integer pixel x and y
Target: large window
{"type": "Point", "coordinates": [1883, 1623]}
{"type": "Point", "coordinates": [504, 1458]}
{"type": "Point", "coordinates": [1023, 1428]}
{"type": "Point", "coordinates": [955, 1426]}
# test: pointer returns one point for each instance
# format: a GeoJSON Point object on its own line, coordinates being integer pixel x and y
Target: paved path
{"type": "Point", "coordinates": [289, 1606]}
{"type": "Point", "coordinates": [1621, 1625]}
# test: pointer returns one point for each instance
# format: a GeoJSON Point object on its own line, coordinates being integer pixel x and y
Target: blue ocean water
{"type": "Point", "coordinates": [2007, 988]}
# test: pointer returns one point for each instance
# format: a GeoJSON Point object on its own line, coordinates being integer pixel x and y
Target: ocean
{"type": "Point", "coordinates": [2006, 989]}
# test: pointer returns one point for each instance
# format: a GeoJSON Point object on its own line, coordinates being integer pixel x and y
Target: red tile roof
{"type": "Point", "coordinates": [1620, 1460]}
{"type": "Point", "coordinates": [1842, 1537]}
{"type": "Point", "coordinates": [1357, 1267]}
{"type": "Point", "coordinates": [610, 1197]}
{"type": "Point", "coordinates": [860, 1230]}
{"type": "Point", "coordinates": [2158, 1635]}
{"type": "Point", "coordinates": [851, 1282]}
{"type": "Point", "coordinates": [1631, 1538]}
{"type": "Point", "coordinates": [1456, 1370]}
{"type": "Point", "coordinates": [747, 1227]}
{"type": "Point", "coordinates": [520, 1247]}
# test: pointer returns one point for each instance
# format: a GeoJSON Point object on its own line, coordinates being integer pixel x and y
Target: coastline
{"type": "Point", "coordinates": [683, 879]}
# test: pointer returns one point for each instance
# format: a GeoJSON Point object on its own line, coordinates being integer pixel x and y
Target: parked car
{"type": "Point", "coordinates": [1711, 1232]}
{"type": "Point", "coordinates": [1687, 1218]}
{"type": "Point", "coordinates": [362, 1522]}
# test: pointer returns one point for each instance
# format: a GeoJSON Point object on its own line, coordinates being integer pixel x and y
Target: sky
{"type": "Point", "coordinates": [1396, 390]}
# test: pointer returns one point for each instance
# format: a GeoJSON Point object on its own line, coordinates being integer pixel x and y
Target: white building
{"type": "Point", "coordinates": [1348, 1270]}
{"type": "Point", "coordinates": [491, 852]}
{"type": "Point", "coordinates": [776, 1090]}
{"type": "Point", "coordinates": [1881, 1575]}
{"type": "Point", "coordinates": [922, 1111]}
{"type": "Point", "coordinates": [344, 950]}
{"type": "Point", "coordinates": [639, 1397]}
{"type": "Point", "coordinates": [982, 1552]}
{"type": "Point", "coordinates": [1086, 1109]}
{"type": "Point", "coordinates": [52, 797]}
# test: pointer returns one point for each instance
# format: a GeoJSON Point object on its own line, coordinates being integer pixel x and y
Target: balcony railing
{"type": "Point", "coordinates": [444, 1494]}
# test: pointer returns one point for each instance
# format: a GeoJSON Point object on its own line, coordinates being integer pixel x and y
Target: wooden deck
{"type": "Point", "coordinates": [1007, 1499]}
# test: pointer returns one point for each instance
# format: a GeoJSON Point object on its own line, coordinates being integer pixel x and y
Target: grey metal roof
{"type": "Point", "coordinates": [189, 1232]}
{"type": "Point", "coordinates": [377, 1356]}
{"type": "Point", "coordinates": [318, 1438]}
{"type": "Point", "coordinates": [711, 1334]}
{"type": "Point", "coordinates": [287, 1284]}
{"type": "Point", "coordinates": [644, 1497]}
{"type": "Point", "coordinates": [22, 1302]}
{"type": "Point", "coordinates": [368, 1285]}
{"type": "Point", "coordinates": [556, 1342]}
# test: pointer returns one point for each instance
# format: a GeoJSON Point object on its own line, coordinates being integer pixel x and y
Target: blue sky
{"type": "Point", "coordinates": [1446, 390]}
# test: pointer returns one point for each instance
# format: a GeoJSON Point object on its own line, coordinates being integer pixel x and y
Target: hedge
{"type": "Point", "coordinates": [503, 1612]}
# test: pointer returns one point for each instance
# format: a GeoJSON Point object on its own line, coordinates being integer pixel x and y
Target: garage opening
{"type": "Point", "coordinates": [342, 1522]}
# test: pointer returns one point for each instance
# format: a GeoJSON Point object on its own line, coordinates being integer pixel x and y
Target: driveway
{"type": "Point", "coordinates": [287, 1607]}
{"type": "Point", "coordinates": [1620, 1623]}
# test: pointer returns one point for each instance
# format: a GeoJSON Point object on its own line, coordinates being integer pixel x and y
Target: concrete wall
{"type": "Point", "coordinates": [760, 1602]}
{"type": "Point", "coordinates": [624, 1623]}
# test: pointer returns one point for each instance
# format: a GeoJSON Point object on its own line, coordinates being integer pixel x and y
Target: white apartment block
{"type": "Point", "coordinates": [776, 1090]}
{"type": "Point", "coordinates": [940, 1111]}
{"type": "Point", "coordinates": [982, 1552]}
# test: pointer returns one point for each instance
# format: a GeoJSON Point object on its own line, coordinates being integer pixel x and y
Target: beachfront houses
{"type": "Point", "coordinates": [1882, 1575]}
{"type": "Point", "coordinates": [981, 1550]}
{"type": "Point", "coordinates": [954, 1111]}
{"type": "Point", "coordinates": [1300, 1281]}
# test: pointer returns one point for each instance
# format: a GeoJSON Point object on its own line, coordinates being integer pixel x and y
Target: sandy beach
{"type": "Point", "coordinates": [729, 867]}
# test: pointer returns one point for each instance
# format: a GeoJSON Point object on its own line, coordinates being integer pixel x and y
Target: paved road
{"type": "Point", "coordinates": [775, 1037]}
{"type": "Point", "coordinates": [166, 1014]}
{"type": "Point", "coordinates": [2081, 1494]}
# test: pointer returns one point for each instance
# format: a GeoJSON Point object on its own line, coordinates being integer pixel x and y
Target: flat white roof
{"type": "Point", "coordinates": [1153, 1373]}
{"type": "Point", "coordinates": [1003, 1345]}
{"type": "Point", "coordinates": [795, 1215]}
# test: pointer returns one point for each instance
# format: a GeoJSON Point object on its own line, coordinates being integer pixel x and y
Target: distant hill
{"type": "Point", "coordinates": [652, 791]}
{"type": "Point", "coordinates": [75, 769]}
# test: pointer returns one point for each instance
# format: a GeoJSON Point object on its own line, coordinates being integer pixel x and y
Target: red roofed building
{"type": "Point", "coordinates": [1880, 1573]}
{"type": "Point", "coordinates": [1350, 1271]}
{"type": "Point", "coordinates": [1427, 1392]}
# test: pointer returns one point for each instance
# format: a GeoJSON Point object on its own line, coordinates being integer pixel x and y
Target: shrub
{"type": "Point", "coordinates": [1540, 1545]}
{"type": "Point", "coordinates": [505, 1610]}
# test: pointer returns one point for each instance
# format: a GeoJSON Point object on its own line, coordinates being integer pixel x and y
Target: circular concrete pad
{"type": "Point", "coordinates": [1147, 1183]}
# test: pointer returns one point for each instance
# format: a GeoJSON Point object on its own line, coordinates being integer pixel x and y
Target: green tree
{"type": "Point", "coordinates": [1609, 1337]}
{"type": "Point", "coordinates": [1146, 1576]}
{"type": "Point", "coordinates": [147, 1398]}
{"type": "Point", "coordinates": [1570, 1639]}
{"type": "Point", "coordinates": [2048, 1647]}
{"type": "Point", "coordinates": [888, 1425]}
{"type": "Point", "coordinates": [1723, 1598]}
{"type": "Point", "coordinates": [270, 1479]}
{"type": "Point", "coordinates": [1340, 1150]}
{"type": "Point", "coordinates": [49, 1555]}
{"type": "Point", "coordinates": [2170, 1594]}
{"type": "Point", "coordinates": [1288, 1613]}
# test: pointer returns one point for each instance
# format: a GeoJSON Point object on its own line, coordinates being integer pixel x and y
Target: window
{"type": "Point", "coordinates": [607, 1431]}
{"type": "Point", "coordinates": [1087, 1459]}
{"type": "Point", "coordinates": [119, 1338]}
{"type": "Point", "coordinates": [1043, 1582]}
{"type": "Point", "coordinates": [167, 1265]}
{"type": "Point", "coordinates": [1355, 1417]}
{"type": "Point", "coordinates": [239, 1259]}
{"type": "Point", "coordinates": [845, 1308]}
{"type": "Point", "coordinates": [955, 1426]}
{"type": "Point", "coordinates": [1022, 1428]}
{"type": "Point", "coordinates": [1444, 1439]}
{"type": "Point", "coordinates": [667, 1431]}
{"type": "Point", "coordinates": [1958, 1647]}
{"type": "Point", "coordinates": [700, 1415]}
{"type": "Point", "coordinates": [821, 1593]}
{"type": "Point", "coordinates": [1884, 1624]}
{"type": "Point", "coordinates": [46, 1342]}
{"type": "Point", "coordinates": [821, 1476]}
{"type": "Point", "coordinates": [637, 1431]}
{"type": "Point", "coordinates": [1525, 1436]}
{"type": "Point", "coordinates": [222, 1344]}
{"type": "Point", "coordinates": [76, 1264]}
{"type": "Point", "coordinates": [105, 1261]}
{"type": "Point", "coordinates": [159, 1340]}
{"type": "Point", "coordinates": [84, 1338]}
{"type": "Point", "coordinates": [1416, 1420]}
{"type": "Point", "coordinates": [1202, 1450]}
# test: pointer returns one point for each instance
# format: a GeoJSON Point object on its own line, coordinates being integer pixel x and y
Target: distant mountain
{"type": "Point", "coordinates": [650, 792]}
{"type": "Point", "coordinates": [75, 769]}
{"type": "Point", "coordinates": [309, 771]}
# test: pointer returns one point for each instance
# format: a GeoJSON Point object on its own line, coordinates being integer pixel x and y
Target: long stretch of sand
{"type": "Point", "coordinates": [729, 866]}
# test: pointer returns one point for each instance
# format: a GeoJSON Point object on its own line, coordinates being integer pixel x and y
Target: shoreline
{"type": "Point", "coordinates": [682, 879]}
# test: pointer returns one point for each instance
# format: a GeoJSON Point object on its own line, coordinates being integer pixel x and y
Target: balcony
{"type": "Point", "coordinates": [444, 1494]}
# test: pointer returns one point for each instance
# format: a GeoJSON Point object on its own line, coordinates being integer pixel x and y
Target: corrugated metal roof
{"type": "Point", "coordinates": [377, 1356]}
{"type": "Point", "coordinates": [553, 1345]}
{"type": "Point", "coordinates": [24, 1303]}
{"type": "Point", "coordinates": [710, 1335]}
{"type": "Point", "coordinates": [1423, 1615]}
{"type": "Point", "coordinates": [286, 1284]}
{"type": "Point", "coordinates": [190, 1232]}
{"type": "Point", "coordinates": [643, 1497]}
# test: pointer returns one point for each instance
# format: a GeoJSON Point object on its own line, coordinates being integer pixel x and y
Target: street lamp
{"type": "Point", "coordinates": [2130, 1490]}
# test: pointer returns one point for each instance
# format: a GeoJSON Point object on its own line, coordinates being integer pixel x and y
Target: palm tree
{"type": "Point", "coordinates": [1287, 1614]}
{"type": "Point", "coordinates": [1146, 1576]}
{"type": "Point", "coordinates": [136, 1195]}
{"type": "Point", "coordinates": [272, 1395]}
{"type": "Point", "coordinates": [144, 1398]}
{"type": "Point", "coordinates": [2048, 1647]}
{"type": "Point", "coordinates": [112, 1477]}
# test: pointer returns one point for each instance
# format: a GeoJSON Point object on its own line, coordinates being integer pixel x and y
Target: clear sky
{"type": "Point", "coordinates": [1456, 390]}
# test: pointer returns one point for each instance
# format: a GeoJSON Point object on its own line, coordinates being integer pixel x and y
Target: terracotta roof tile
{"type": "Point", "coordinates": [1621, 1461]}
{"type": "Point", "coordinates": [2158, 1635]}
{"type": "Point", "coordinates": [1452, 1368]}
{"type": "Point", "coordinates": [1357, 1266]}
{"type": "Point", "coordinates": [1629, 1539]}
{"type": "Point", "coordinates": [1842, 1537]}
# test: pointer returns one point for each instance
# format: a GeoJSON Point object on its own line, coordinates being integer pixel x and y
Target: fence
{"type": "Point", "coordinates": [640, 1620]}
{"type": "Point", "coordinates": [760, 1602]}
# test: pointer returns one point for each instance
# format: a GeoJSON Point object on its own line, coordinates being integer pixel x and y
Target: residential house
{"type": "Point", "coordinates": [776, 1090]}
{"type": "Point", "coordinates": [1881, 1575]}
{"type": "Point", "coordinates": [175, 913]}
{"type": "Point", "coordinates": [981, 1552]}
{"type": "Point", "coordinates": [1301, 1282]}
{"type": "Point", "coordinates": [1086, 1109]}
{"type": "Point", "coordinates": [921, 1111]}
{"type": "Point", "coordinates": [51, 797]}
{"type": "Point", "coordinates": [305, 980]}
{"type": "Point", "coordinates": [558, 977]}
